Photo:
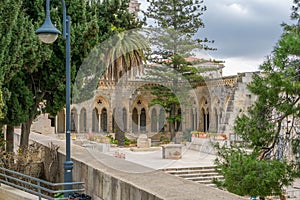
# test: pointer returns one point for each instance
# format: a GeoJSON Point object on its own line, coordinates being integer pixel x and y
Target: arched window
{"type": "Point", "coordinates": [104, 120]}
{"type": "Point", "coordinates": [143, 120]}
{"type": "Point", "coordinates": [153, 120]}
{"type": "Point", "coordinates": [83, 120]}
{"type": "Point", "coordinates": [135, 120]}
{"type": "Point", "coordinates": [95, 120]}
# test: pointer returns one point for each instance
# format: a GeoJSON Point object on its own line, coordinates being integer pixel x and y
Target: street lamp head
{"type": "Point", "coordinates": [47, 32]}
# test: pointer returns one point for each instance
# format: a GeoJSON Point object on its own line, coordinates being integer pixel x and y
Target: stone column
{"type": "Point", "coordinates": [56, 124]}
{"type": "Point", "coordinates": [138, 121]}
{"type": "Point", "coordinates": [78, 123]}
{"type": "Point", "coordinates": [129, 120]}
{"type": "Point", "coordinates": [89, 119]}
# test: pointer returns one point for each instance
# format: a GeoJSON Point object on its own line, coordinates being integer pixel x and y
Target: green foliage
{"type": "Point", "coordinates": [18, 45]}
{"type": "Point", "coordinates": [244, 174]}
{"type": "Point", "coordinates": [127, 141]}
{"type": "Point", "coordinates": [112, 139]}
{"type": "Point", "coordinates": [269, 129]}
{"type": "Point", "coordinates": [43, 66]}
{"type": "Point", "coordinates": [1, 105]}
{"type": "Point", "coordinates": [59, 195]}
{"type": "Point", "coordinates": [173, 39]}
{"type": "Point", "coordinates": [177, 22]}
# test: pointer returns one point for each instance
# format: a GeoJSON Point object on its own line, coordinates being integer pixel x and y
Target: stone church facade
{"type": "Point", "coordinates": [214, 106]}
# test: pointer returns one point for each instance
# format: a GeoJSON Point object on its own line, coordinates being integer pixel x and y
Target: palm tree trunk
{"type": "Point", "coordinates": [172, 122]}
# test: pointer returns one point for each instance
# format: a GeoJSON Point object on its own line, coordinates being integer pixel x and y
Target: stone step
{"type": "Point", "coordinates": [191, 175]}
{"type": "Point", "coordinates": [189, 168]}
{"type": "Point", "coordinates": [204, 175]}
{"type": "Point", "coordinates": [203, 171]}
{"type": "Point", "coordinates": [209, 178]}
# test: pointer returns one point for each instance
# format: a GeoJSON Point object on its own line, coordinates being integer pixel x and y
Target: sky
{"type": "Point", "coordinates": [245, 31]}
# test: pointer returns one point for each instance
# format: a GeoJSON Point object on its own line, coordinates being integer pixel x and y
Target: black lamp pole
{"type": "Point", "coordinates": [48, 34]}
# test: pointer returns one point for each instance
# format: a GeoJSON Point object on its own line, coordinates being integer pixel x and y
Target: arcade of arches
{"type": "Point", "coordinates": [137, 117]}
{"type": "Point", "coordinates": [214, 109]}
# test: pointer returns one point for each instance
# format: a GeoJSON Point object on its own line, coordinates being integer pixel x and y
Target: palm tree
{"type": "Point", "coordinates": [126, 52]}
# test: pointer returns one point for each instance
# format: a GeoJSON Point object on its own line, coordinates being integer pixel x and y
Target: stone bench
{"type": "Point", "coordinates": [172, 151]}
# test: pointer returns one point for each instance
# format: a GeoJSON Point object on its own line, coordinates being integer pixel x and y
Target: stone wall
{"type": "Point", "coordinates": [7, 192]}
{"type": "Point", "coordinates": [103, 182]}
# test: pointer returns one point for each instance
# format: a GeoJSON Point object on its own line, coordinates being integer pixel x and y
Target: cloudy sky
{"type": "Point", "coordinates": [244, 31]}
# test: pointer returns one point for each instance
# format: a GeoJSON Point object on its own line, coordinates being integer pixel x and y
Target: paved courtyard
{"type": "Point", "coordinates": [153, 159]}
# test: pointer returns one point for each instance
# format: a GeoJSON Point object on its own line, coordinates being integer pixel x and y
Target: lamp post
{"type": "Point", "coordinates": [48, 34]}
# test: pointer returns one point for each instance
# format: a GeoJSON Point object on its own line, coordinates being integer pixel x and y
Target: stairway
{"type": "Point", "coordinates": [228, 114]}
{"type": "Point", "coordinates": [204, 175]}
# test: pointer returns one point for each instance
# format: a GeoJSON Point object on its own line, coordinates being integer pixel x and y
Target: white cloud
{"type": "Point", "coordinates": [239, 64]}
{"type": "Point", "coordinates": [238, 9]}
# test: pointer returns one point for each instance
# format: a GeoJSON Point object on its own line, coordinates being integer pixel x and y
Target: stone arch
{"type": "Point", "coordinates": [141, 121]}
{"type": "Point", "coordinates": [140, 103]}
{"type": "Point", "coordinates": [101, 102]}
{"type": "Point", "coordinates": [204, 115]}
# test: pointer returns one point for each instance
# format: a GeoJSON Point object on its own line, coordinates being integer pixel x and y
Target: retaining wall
{"type": "Point", "coordinates": [127, 180]}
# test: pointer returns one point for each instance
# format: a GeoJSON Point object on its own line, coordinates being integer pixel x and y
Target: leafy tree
{"type": "Point", "coordinates": [173, 39]}
{"type": "Point", "coordinates": [270, 127]}
{"type": "Point", "coordinates": [18, 53]}
{"type": "Point", "coordinates": [12, 26]}
{"type": "Point", "coordinates": [44, 76]}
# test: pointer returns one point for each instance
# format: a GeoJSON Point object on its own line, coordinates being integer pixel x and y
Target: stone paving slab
{"type": "Point", "coordinates": [153, 159]}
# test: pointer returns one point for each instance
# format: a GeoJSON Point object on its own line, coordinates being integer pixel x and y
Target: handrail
{"type": "Point", "coordinates": [37, 188]}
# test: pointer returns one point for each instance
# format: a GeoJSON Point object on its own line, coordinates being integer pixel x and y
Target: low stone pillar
{"type": "Point", "coordinates": [143, 141]}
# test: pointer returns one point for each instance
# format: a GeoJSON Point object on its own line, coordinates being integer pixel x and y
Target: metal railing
{"type": "Point", "coordinates": [36, 186]}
